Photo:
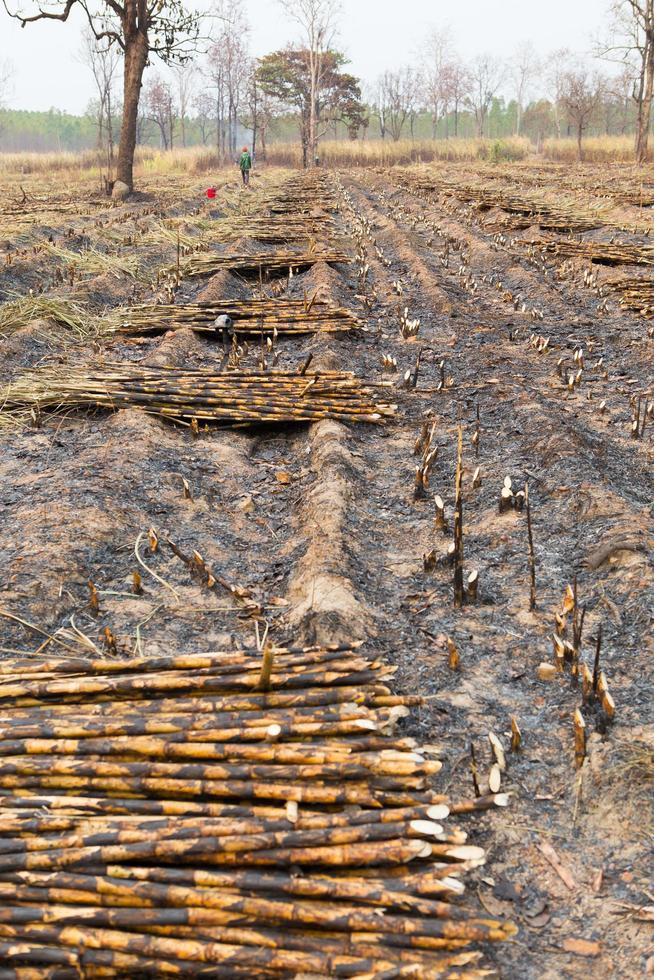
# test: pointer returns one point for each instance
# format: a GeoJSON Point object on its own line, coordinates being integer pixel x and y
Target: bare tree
{"type": "Point", "coordinates": [581, 95]}
{"type": "Point", "coordinates": [436, 56]}
{"type": "Point", "coordinates": [183, 81]}
{"type": "Point", "coordinates": [228, 68]}
{"type": "Point", "coordinates": [487, 75]}
{"type": "Point", "coordinates": [159, 109]}
{"type": "Point", "coordinates": [140, 28]}
{"type": "Point", "coordinates": [317, 21]}
{"type": "Point", "coordinates": [260, 108]}
{"type": "Point", "coordinates": [525, 68]}
{"type": "Point", "coordinates": [622, 88]}
{"type": "Point", "coordinates": [377, 101]}
{"type": "Point", "coordinates": [204, 114]}
{"type": "Point", "coordinates": [457, 83]}
{"type": "Point", "coordinates": [6, 76]}
{"type": "Point", "coordinates": [631, 43]}
{"type": "Point", "coordinates": [397, 92]}
{"type": "Point", "coordinates": [559, 64]}
{"type": "Point", "coordinates": [104, 62]}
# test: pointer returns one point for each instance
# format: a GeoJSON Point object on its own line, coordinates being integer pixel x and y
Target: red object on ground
{"type": "Point", "coordinates": [211, 192]}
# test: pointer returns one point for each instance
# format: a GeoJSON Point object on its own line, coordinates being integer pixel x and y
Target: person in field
{"type": "Point", "coordinates": [245, 163]}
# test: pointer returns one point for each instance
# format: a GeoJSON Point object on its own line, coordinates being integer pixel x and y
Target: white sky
{"type": "Point", "coordinates": [376, 34]}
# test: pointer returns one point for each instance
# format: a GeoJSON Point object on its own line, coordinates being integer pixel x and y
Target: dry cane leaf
{"type": "Point", "coordinates": [582, 947]}
{"type": "Point", "coordinates": [553, 859]}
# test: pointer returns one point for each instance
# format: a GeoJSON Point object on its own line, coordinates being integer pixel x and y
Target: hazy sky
{"type": "Point", "coordinates": [376, 34]}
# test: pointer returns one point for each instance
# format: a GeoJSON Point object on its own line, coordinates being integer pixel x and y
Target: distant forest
{"type": "Point", "coordinates": [56, 131]}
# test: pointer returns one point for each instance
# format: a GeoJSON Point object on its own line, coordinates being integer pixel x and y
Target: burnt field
{"type": "Point", "coordinates": [474, 503]}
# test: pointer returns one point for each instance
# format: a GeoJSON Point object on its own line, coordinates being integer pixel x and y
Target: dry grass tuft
{"type": "Point", "coordinates": [66, 313]}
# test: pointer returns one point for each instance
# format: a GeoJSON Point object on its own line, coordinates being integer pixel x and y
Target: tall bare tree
{"type": "Point", "coordinates": [487, 75]}
{"type": "Point", "coordinates": [140, 28]}
{"type": "Point", "coordinates": [581, 95]}
{"type": "Point", "coordinates": [631, 42]}
{"type": "Point", "coordinates": [6, 76]}
{"type": "Point", "coordinates": [559, 64]}
{"type": "Point", "coordinates": [457, 84]}
{"type": "Point", "coordinates": [104, 62]}
{"type": "Point", "coordinates": [184, 83]}
{"type": "Point", "coordinates": [525, 68]}
{"type": "Point", "coordinates": [437, 55]}
{"type": "Point", "coordinates": [317, 22]}
{"type": "Point", "coordinates": [158, 104]}
{"type": "Point", "coordinates": [397, 93]}
{"type": "Point", "coordinates": [228, 68]}
{"type": "Point", "coordinates": [203, 104]}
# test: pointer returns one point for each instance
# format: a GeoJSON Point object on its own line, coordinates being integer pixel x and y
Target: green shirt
{"type": "Point", "coordinates": [245, 163]}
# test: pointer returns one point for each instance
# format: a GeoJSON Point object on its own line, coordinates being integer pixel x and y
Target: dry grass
{"type": "Point", "coordinates": [22, 311]}
{"type": "Point", "coordinates": [596, 149]}
{"type": "Point", "coordinates": [365, 153]}
{"type": "Point", "coordinates": [196, 160]}
{"type": "Point", "coordinates": [148, 160]}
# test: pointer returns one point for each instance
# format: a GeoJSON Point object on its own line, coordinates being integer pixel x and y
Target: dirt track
{"type": "Point", "coordinates": [321, 525]}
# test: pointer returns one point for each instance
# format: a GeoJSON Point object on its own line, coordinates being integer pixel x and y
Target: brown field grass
{"type": "Point", "coordinates": [334, 153]}
{"type": "Point", "coordinates": [596, 149]}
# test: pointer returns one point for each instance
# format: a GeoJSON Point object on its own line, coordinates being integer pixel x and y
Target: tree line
{"type": "Point", "coordinates": [209, 88]}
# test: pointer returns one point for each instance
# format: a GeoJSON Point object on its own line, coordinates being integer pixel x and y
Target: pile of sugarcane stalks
{"type": "Point", "coordinates": [635, 294]}
{"type": "Point", "coordinates": [601, 253]}
{"type": "Point", "coordinates": [276, 229]}
{"type": "Point", "coordinates": [208, 263]}
{"type": "Point", "coordinates": [244, 814]}
{"type": "Point", "coordinates": [177, 394]}
{"type": "Point", "coordinates": [304, 194]}
{"type": "Point", "coordinates": [249, 317]}
{"type": "Point", "coordinates": [561, 215]}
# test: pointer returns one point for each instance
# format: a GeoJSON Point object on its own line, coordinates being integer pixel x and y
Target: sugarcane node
{"type": "Point", "coordinates": [267, 661]}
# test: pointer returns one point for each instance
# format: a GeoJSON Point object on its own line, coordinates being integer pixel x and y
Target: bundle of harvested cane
{"type": "Point", "coordinates": [207, 263]}
{"type": "Point", "coordinates": [236, 814]}
{"type": "Point", "coordinates": [276, 229]}
{"type": "Point", "coordinates": [635, 294]}
{"type": "Point", "coordinates": [559, 215]}
{"type": "Point", "coordinates": [252, 316]}
{"type": "Point", "coordinates": [601, 253]}
{"type": "Point", "coordinates": [235, 396]}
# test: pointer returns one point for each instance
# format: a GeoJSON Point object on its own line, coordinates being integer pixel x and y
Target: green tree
{"type": "Point", "coordinates": [286, 77]}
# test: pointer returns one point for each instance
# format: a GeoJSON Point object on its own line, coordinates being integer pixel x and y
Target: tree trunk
{"type": "Point", "coordinates": [645, 104]}
{"type": "Point", "coordinates": [110, 132]}
{"type": "Point", "coordinates": [136, 57]}
{"type": "Point", "coordinates": [580, 132]}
